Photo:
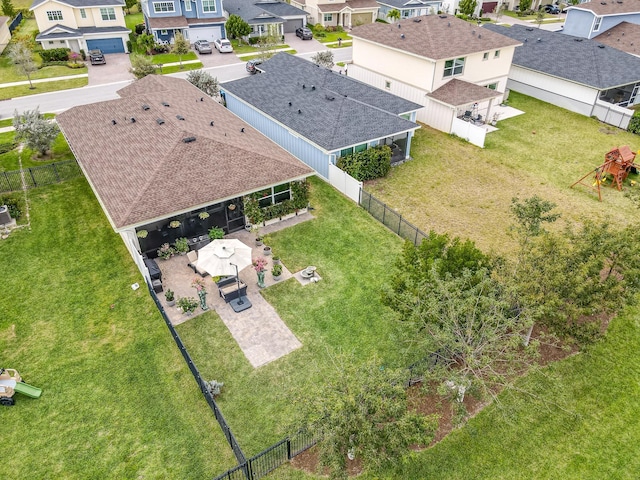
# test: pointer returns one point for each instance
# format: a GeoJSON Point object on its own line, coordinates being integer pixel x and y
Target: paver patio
{"type": "Point", "coordinates": [259, 330]}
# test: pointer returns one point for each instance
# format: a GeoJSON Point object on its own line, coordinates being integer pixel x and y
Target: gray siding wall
{"type": "Point", "coordinates": [578, 23]}
{"type": "Point", "coordinates": [297, 146]}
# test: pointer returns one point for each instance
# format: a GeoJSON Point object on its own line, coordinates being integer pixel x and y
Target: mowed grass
{"type": "Point", "coordinates": [118, 400]}
{"type": "Point", "coordinates": [11, 160]}
{"type": "Point", "coordinates": [454, 187]}
{"type": "Point", "coordinates": [44, 87]}
{"type": "Point", "coordinates": [341, 313]}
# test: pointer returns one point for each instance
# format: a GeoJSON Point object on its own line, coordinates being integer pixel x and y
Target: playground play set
{"type": "Point", "coordinates": [10, 383]}
{"type": "Point", "coordinates": [618, 163]}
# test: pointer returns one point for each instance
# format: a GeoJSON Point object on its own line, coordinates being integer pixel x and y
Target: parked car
{"type": "Point", "coordinates": [304, 33]}
{"type": "Point", "coordinates": [96, 57]}
{"type": "Point", "coordinates": [202, 46]}
{"type": "Point", "coordinates": [252, 64]}
{"type": "Point", "coordinates": [552, 9]}
{"type": "Point", "coordinates": [223, 45]}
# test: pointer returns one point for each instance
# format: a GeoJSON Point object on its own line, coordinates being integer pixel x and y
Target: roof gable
{"type": "Point", "coordinates": [434, 37]}
{"type": "Point", "coordinates": [331, 110]}
{"type": "Point", "coordinates": [141, 169]}
{"type": "Point", "coordinates": [580, 60]}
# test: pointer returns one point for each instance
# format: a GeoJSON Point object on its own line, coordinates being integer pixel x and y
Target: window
{"type": "Point", "coordinates": [50, 42]}
{"type": "Point", "coordinates": [187, 5]}
{"type": "Point", "coordinates": [485, 56]}
{"type": "Point", "coordinates": [328, 17]}
{"type": "Point", "coordinates": [209, 6]}
{"type": "Point", "coordinates": [163, 32]}
{"type": "Point", "coordinates": [54, 15]}
{"type": "Point", "coordinates": [496, 54]}
{"type": "Point", "coordinates": [83, 13]}
{"type": "Point", "coordinates": [492, 86]}
{"type": "Point", "coordinates": [453, 67]}
{"type": "Point", "coordinates": [346, 151]}
{"type": "Point", "coordinates": [277, 194]}
{"type": "Point", "coordinates": [406, 13]}
{"type": "Point", "coordinates": [108, 14]}
{"type": "Point", "coordinates": [596, 26]}
{"type": "Point", "coordinates": [387, 84]}
{"type": "Point", "coordinates": [160, 7]}
{"type": "Point", "coordinates": [360, 148]}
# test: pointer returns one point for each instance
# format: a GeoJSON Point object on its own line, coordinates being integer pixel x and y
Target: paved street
{"type": "Point", "coordinates": [223, 67]}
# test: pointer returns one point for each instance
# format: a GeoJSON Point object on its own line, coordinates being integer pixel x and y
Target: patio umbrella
{"type": "Point", "coordinates": [218, 256]}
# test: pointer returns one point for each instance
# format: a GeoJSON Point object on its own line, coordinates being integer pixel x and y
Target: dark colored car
{"type": "Point", "coordinates": [202, 46]}
{"type": "Point", "coordinates": [96, 57]}
{"type": "Point", "coordinates": [252, 64]}
{"type": "Point", "coordinates": [304, 33]}
{"type": "Point", "coordinates": [552, 9]}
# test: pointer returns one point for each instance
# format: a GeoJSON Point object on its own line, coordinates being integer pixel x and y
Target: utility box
{"type": "Point", "coordinates": [5, 217]}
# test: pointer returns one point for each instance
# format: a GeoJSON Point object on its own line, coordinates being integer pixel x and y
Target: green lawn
{"type": "Point", "coordinates": [10, 160]}
{"type": "Point", "coordinates": [44, 87]}
{"type": "Point", "coordinates": [118, 400]}
{"type": "Point", "coordinates": [240, 48]}
{"type": "Point", "coordinates": [341, 313]}
{"type": "Point", "coordinates": [132, 20]}
{"type": "Point", "coordinates": [333, 37]}
{"type": "Point", "coordinates": [172, 57]}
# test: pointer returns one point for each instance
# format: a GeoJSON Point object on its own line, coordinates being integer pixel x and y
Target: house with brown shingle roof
{"type": "Point", "coordinates": [165, 154]}
{"type": "Point", "coordinates": [591, 19]}
{"type": "Point", "coordinates": [418, 58]}
{"type": "Point", "coordinates": [625, 36]}
{"type": "Point", "coordinates": [346, 13]}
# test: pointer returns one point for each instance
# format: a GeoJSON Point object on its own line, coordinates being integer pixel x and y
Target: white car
{"type": "Point", "coordinates": [223, 45]}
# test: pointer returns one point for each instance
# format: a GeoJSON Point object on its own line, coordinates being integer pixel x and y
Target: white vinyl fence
{"type": "Point", "coordinates": [345, 183]}
{"type": "Point", "coordinates": [471, 133]}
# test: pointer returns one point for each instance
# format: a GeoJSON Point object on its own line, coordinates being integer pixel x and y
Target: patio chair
{"type": "Point", "coordinates": [192, 256]}
{"type": "Point", "coordinates": [467, 116]}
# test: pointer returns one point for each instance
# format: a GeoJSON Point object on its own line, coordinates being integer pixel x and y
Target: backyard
{"type": "Point", "coordinates": [87, 326]}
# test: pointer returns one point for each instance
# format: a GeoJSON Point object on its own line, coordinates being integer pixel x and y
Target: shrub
{"type": "Point", "coordinates": [216, 233]}
{"type": "Point", "coordinates": [75, 65]}
{"type": "Point", "coordinates": [55, 54]}
{"type": "Point", "coordinates": [182, 245]}
{"type": "Point", "coordinates": [214, 387]}
{"type": "Point", "coordinates": [83, 54]}
{"type": "Point", "coordinates": [140, 28]}
{"type": "Point", "coordinates": [129, 46]}
{"type": "Point", "coordinates": [7, 147]}
{"type": "Point", "coordinates": [14, 204]}
{"type": "Point", "coordinates": [253, 40]}
{"type": "Point", "coordinates": [367, 165]}
{"type": "Point", "coordinates": [634, 124]}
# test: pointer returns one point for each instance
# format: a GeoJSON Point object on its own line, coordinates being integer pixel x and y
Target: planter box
{"type": "Point", "coordinates": [289, 215]}
{"type": "Point", "coordinates": [271, 222]}
{"type": "Point", "coordinates": [301, 211]}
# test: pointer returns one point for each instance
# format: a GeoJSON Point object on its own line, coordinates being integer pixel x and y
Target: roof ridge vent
{"type": "Point", "coordinates": [538, 39]}
{"type": "Point", "coordinates": [313, 87]}
{"type": "Point", "coordinates": [113, 122]}
{"type": "Point", "coordinates": [600, 46]}
{"type": "Point", "coordinates": [402, 36]}
{"type": "Point", "coordinates": [165, 104]}
{"type": "Point", "coordinates": [133, 119]}
{"type": "Point", "coordinates": [577, 39]}
{"type": "Point", "coordinates": [329, 97]}
{"type": "Point", "coordinates": [160, 121]}
{"type": "Point", "coordinates": [529, 29]}
{"type": "Point", "coordinates": [418, 20]}
{"type": "Point", "coordinates": [188, 139]}
{"type": "Point", "coordinates": [441, 16]}
{"type": "Point", "coordinates": [179, 117]}
{"type": "Point", "coordinates": [145, 107]}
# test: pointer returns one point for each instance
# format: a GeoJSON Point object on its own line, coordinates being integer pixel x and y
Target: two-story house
{"type": "Point", "coordinates": [267, 16]}
{"type": "Point", "coordinates": [344, 14]}
{"type": "Point", "coordinates": [81, 24]}
{"type": "Point", "coordinates": [446, 64]}
{"type": "Point", "coordinates": [591, 19]}
{"type": "Point", "coordinates": [195, 19]}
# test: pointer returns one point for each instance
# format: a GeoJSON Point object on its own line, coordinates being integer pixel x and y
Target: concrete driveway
{"type": "Point", "coordinates": [115, 70]}
{"type": "Point", "coordinates": [303, 46]}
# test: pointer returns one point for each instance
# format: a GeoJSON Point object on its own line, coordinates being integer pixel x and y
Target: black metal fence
{"type": "Point", "coordinates": [15, 22]}
{"type": "Point", "coordinates": [201, 383]}
{"type": "Point", "coordinates": [38, 176]}
{"type": "Point", "coordinates": [391, 219]}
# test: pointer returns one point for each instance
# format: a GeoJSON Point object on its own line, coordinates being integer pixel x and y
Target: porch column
{"type": "Point", "coordinates": [488, 119]}
{"type": "Point", "coordinates": [407, 152]}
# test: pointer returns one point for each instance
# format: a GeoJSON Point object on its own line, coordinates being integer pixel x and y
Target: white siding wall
{"type": "Point", "coordinates": [565, 94]}
{"type": "Point", "coordinates": [297, 146]}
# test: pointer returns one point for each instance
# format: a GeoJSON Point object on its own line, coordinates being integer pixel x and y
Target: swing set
{"type": "Point", "coordinates": [618, 162]}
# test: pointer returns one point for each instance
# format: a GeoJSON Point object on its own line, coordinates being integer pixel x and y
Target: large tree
{"type": "Point", "coordinates": [8, 8]}
{"type": "Point", "coordinates": [34, 130]}
{"type": "Point", "coordinates": [22, 57]}
{"type": "Point", "coordinates": [146, 41]}
{"type": "Point", "coordinates": [361, 411]}
{"type": "Point", "coordinates": [181, 47]}
{"type": "Point", "coordinates": [236, 27]}
{"type": "Point", "coordinates": [393, 15]}
{"type": "Point", "coordinates": [467, 7]}
{"type": "Point", "coordinates": [204, 81]}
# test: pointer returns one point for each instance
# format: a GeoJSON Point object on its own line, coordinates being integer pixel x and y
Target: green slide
{"type": "Point", "coordinates": [28, 390]}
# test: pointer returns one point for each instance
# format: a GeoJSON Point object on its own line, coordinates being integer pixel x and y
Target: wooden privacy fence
{"type": "Point", "coordinates": [391, 219]}
{"type": "Point", "coordinates": [38, 176]}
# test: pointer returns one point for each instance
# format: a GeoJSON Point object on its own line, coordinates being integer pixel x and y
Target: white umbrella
{"type": "Point", "coordinates": [219, 257]}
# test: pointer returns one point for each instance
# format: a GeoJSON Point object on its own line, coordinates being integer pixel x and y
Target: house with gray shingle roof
{"type": "Point", "coordinates": [267, 16]}
{"type": "Point", "coordinates": [166, 152]}
{"type": "Point", "coordinates": [590, 19]}
{"type": "Point", "coordinates": [319, 115]}
{"type": "Point", "coordinates": [416, 58]}
{"type": "Point", "coordinates": [81, 25]}
{"type": "Point", "coordinates": [581, 75]}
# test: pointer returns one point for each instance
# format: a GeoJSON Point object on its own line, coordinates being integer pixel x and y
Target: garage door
{"type": "Point", "coordinates": [489, 7]}
{"type": "Point", "coordinates": [107, 45]}
{"type": "Point", "coordinates": [209, 33]}
{"type": "Point", "coordinates": [360, 19]}
{"type": "Point", "coordinates": [291, 25]}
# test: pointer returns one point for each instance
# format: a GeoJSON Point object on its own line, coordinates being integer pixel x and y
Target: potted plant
{"type": "Point", "coordinates": [276, 260]}
{"type": "Point", "coordinates": [170, 297]}
{"type": "Point", "coordinates": [142, 233]}
{"type": "Point", "coordinates": [216, 233]}
{"type": "Point", "coordinates": [260, 265]}
{"type": "Point", "coordinates": [267, 250]}
{"type": "Point", "coordinates": [276, 271]}
{"type": "Point", "coordinates": [182, 245]}
{"type": "Point", "coordinates": [203, 215]}
{"type": "Point", "coordinates": [256, 231]}
{"type": "Point", "coordinates": [188, 305]}
{"type": "Point", "coordinates": [165, 251]}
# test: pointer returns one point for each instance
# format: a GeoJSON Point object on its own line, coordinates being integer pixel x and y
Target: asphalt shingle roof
{"type": "Point", "coordinates": [254, 12]}
{"type": "Point", "coordinates": [577, 59]}
{"type": "Point", "coordinates": [610, 7]}
{"type": "Point", "coordinates": [436, 37]}
{"type": "Point", "coordinates": [457, 92]}
{"type": "Point", "coordinates": [141, 170]}
{"type": "Point", "coordinates": [625, 36]}
{"type": "Point", "coordinates": [282, 9]}
{"type": "Point", "coordinates": [331, 110]}
{"type": "Point", "coordinates": [83, 3]}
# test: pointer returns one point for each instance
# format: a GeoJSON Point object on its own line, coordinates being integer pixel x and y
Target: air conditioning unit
{"type": "Point", "coordinates": [5, 217]}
